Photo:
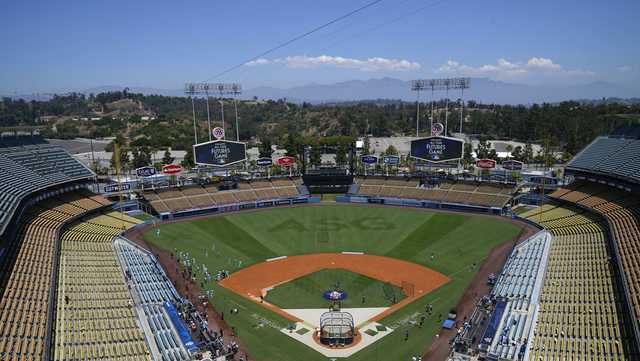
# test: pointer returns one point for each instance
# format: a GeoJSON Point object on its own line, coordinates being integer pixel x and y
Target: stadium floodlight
{"type": "Point", "coordinates": [417, 86]}
{"type": "Point", "coordinates": [222, 89]}
{"type": "Point", "coordinates": [441, 84]}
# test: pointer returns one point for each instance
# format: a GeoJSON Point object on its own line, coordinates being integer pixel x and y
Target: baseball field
{"type": "Point", "coordinates": [453, 245]}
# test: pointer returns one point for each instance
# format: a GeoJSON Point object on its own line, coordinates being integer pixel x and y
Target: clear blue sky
{"type": "Point", "coordinates": [78, 44]}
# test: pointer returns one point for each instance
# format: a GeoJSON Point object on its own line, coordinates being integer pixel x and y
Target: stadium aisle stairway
{"type": "Point", "coordinates": [25, 299]}
{"type": "Point", "coordinates": [95, 319]}
{"type": "Point", "coordinates": [581, 314]}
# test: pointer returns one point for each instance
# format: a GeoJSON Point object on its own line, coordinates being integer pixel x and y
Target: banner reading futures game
{"type": "Point", "coordinates": [437, 149]}
{"type": "Point", "coordinates": [219, 153]}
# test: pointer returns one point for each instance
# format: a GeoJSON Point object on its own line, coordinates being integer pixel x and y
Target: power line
{"type": "Point", "coordinates": [385, 23]}
{"type": "Point", "coordinates": [282, 45]}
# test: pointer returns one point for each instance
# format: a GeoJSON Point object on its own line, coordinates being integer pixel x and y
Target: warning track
{"type": "Point", "coordinates": [255, 280]}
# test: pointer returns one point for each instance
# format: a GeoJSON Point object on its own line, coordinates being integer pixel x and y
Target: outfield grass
{"type": "Point", "coordinates": [307, 291]}
{"type": "Point", "coordinates": [453, 244]}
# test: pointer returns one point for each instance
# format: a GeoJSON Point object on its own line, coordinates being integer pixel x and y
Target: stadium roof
{"type": "Point", "coordinates": [616, 156]}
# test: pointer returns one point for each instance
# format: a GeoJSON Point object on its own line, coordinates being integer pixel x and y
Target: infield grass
{"type": "Point", "coordinates": [453, 244]}
{"type": "Point", "coordinates": [307, 291]}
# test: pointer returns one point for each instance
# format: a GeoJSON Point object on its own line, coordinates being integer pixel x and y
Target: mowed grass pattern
{"type": "Point", "coordinates": [453, 244]}
{"type": "Point", "coordinates": [307, 291]}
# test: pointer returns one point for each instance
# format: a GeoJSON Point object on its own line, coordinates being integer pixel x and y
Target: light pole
{"type": "Point", "coordinates": [222, 112]}
{"type": "Point", "coordinates": [206, 91]}
{"type": "Point", "coordinates": [190, 89]}
{"type": "Point", "coordinates": [237, 89]}
{"type": "Point", "coordinates": [222, 88]}
{"type": "Point", "coordinates": [442, 84]}
{"type": "Point", "coordinates": [417, 86]}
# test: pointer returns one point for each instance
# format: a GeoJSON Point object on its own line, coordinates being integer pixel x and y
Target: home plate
{"type": "Point", "coordinates": [370, 331]}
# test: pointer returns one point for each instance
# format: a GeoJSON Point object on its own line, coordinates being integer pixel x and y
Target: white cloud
{"type": "Point", "coordinates": [260, 61]}
{"type": "Point", "coordinates": [313, 62]}
{"type": "Point", "coordinates": [504, 69]}
{"type": "Point", "coordinates": [624, 69]}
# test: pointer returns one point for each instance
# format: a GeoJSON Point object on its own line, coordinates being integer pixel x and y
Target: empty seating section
{"type": "Point", "coordinates": [24, 301]}
{"type": "Point", "coordinates": [611, 156]}
{"type": "Point", "coordinates": [95, 319]}
{"type": "Point", "coordinates": [47, 160]}
{"type": "Point", "coordinates": [27, 166]}
{"type": "Point", "coordinates": [460, 193]}
{"type": "Point", "coordinates": [152, 288]}
{"type": "Point", "coordinates": [622, 209]}
{"type": "Point", "coordinates": [519, 286]}
{"type": "Point", "coordinates": [581, 314]}
{"type": "Point", "coordinates": [174, 200]}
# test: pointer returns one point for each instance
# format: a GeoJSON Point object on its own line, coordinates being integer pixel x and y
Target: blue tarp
{"type": "Point", "coordinates": [448, 324]}
{"type": "Point", "coordinates": [182, 330]}
{"type": "Point", "coordinates": [494, 322]}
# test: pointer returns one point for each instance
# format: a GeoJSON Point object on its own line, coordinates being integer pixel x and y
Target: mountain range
{"type": "Point", "coordinates": [482, 90]}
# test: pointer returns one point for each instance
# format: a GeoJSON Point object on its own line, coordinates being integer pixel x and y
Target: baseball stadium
{"type": "Point", "coordinates": [348, 262]}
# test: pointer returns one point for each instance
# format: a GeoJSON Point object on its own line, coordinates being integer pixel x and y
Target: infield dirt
{"type": "Point", "coordinates": [254, 281]}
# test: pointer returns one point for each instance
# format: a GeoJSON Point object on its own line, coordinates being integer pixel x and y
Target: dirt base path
{"type": "Point", "coordinates": [253, 281]}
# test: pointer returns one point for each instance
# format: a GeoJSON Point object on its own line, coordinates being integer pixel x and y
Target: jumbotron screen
{"type": "Point", "coordinates": [219, 153]}
{"type": "Point", "coordinates": [437, 149]}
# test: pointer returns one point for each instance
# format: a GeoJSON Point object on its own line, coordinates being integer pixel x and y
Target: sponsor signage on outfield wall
{"type": "Point", "coordinates": [425, 164]}
{"type": "Point", "coordinates": [264, 162]}
{"type": "Point", "coordinates": [111, 188]}
{"type": "Point", "coordinates": [171, 169]}
{"type": "Point", "coordinates": [437, 149]}
{"type": "Point", "coordinates": [369, 159]}
{"type": "Point", "coordinates": [286, 161]}
{"type": "Point", "coordinates": [512, 165]}
{"type": "Point", "coordinates": [485, 163]}
{"type": "Point", "coordinates": [391, 159]}
{"type": "Point", "coordinates": [219, 153]}
{"type": "Point", "coordinates": [145, 171]}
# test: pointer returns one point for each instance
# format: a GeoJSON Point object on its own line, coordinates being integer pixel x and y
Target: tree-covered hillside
{"type": "Point", "coordinates": [160, 121]}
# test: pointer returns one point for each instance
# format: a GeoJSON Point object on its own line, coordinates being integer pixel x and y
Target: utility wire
{"type": "Point", "coordinates": [282, 45]}
{"type": "Point", "coordinates": [383, 24]}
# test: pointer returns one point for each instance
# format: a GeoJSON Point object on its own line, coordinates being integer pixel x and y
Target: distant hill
{"type": "Point", "coordinates": [482, 90]}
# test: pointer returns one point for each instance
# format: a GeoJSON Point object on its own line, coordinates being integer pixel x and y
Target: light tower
{"type": "Point", "coordinates": [193, 89]}
{"type": "Point", "coordinates": [442, 84]}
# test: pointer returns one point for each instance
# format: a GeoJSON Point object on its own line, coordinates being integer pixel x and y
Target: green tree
{"type": "Point", "coordinates": [467, 157]}
{"type": "Point", "coordinates": [527, 157]}
{"type": "Point", "coordinates": [265, 148]}
{"type": "Point", "coordinates": [124, 159]}
{"type": "Point", "coordinates": [315, 157]}
{"type": "Point", "coordinates": [483, 150]}
{"type": "Point", "coordinates": [341, 154]}
{"type": "Point", "coordinates": [391, 150]}
{"type": "Point", "coordinates": [188, 161]}
{"type": "Point", "coordinates": [141, 157]}
{"type": "Point", "coordinates": [291, 145]}
{"type": "Point", "coordinates": [167, 158]}
{"type": "Point", "coordinates": [517, 153]}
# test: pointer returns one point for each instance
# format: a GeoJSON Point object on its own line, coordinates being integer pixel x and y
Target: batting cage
{"type": "Point", "coordinates": [336, 328]}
